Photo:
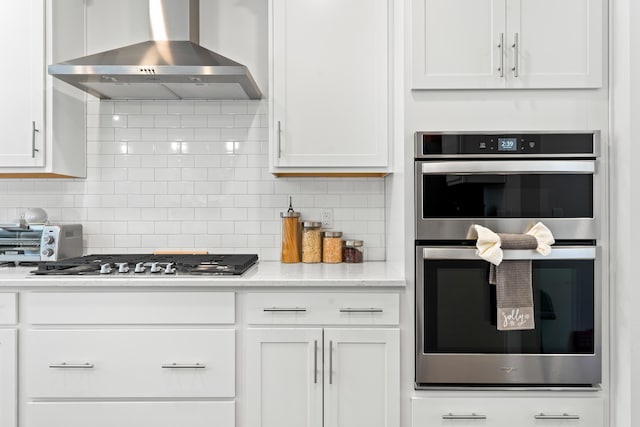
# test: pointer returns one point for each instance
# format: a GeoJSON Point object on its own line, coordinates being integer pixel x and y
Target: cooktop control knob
{"type": "Point", "coordinates": [169, 269]}
{"type": "Point", "coordinates": [47, 252]}
{"type": "Point", "coordinates": [123, 267]}
{"type": "Point", "coordinates": [139, 268]}
{"type": "Point", "coordinates": [155, 267]}
{"type": "Point", "coordinates": [105, 269]}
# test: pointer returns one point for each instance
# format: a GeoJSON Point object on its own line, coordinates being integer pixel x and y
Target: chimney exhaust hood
{"type": "Point", "coordinates": [163, 68]}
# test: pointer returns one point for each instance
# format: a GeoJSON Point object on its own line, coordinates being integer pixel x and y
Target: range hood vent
{"type": "Point", "coordinates": [160, 69]}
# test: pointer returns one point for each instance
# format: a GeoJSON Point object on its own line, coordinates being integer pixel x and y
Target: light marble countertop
{"type": "Point", "coordinates": [263, 274]}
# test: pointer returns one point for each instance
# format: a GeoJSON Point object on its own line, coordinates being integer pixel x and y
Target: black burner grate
{"type": "Point", "coordinates": [188, 264]}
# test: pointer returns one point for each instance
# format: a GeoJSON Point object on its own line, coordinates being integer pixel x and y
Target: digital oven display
{"type": "Point", "coordinates": [507, 144]}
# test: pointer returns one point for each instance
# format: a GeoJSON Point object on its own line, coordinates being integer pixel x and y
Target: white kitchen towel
{"type": "Point", "coordinates": [489, 245]}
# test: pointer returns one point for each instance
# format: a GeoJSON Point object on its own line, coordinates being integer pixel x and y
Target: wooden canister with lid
{"type": "Point", "coordinates": [290, 237]}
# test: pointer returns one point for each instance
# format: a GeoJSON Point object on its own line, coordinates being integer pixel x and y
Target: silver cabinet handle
{"type": "Point", "coordinates": [361, 310]}
{"type": "Point", "coordinates": [330, 362]}
{"type": "Point", "coordinates": [564, 416]}
{"type": "Point", "coordinates": [516, 47]}
{"type": "Point", "coordinates": [471, 416]}
{"type": "Point", "coordinates": [279, 132]}
{"type": "Point", "coordinates": [184, 366]}
{"type": "Point", "coordinates": [315, 361]}
{"type": "Point", "coordinates": [34, 130]}
{"type": "Point", "coordinates": [65, 365]}
{"type": "Point", "coordinates": [284, 309]}
{"type": "Point", "coordinates": [501, 46]}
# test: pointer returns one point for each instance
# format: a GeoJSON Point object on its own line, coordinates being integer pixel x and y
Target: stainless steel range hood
{"type": "Point", "coordinates": [163, 68]}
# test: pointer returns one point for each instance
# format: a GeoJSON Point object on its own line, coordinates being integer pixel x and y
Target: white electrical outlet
{"type": "Point", "coordinates": [326, 217]}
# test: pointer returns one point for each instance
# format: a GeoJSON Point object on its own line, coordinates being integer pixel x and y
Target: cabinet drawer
{"type": "Point", "coordinates": [323, 308]}
{"type": "Point", "coordinates": [130, 363]}
{"type": "Point", "coordinates": [8, 314]}
{"type": "Point", "coordinates": [553, 411]}
{"type": "Point", "coordinates": [118, 308]}
{"type": "Point", "coordinates": [130, 414]}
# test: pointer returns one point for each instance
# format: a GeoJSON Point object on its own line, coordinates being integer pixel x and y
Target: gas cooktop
{"type": "Point", "coordinates": [149, 265]}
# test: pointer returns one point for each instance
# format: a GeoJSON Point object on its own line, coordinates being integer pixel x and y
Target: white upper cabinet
{"type": "Point", "coordinates": [22, 83]}
{"type": "Point", "coordinates": [43, 122]}
{"type": "Point", "coordinates": [477, 44]}
{"type": "Point", "coordinates": [330, 86]}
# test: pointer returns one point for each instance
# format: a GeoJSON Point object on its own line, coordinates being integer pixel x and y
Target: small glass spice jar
{"type": "Point", "coordinates": [311, 242]}
{"type": "Point", "coordinates": [332, 247]}
{"type": "Point", "coordinates": [352, 252]}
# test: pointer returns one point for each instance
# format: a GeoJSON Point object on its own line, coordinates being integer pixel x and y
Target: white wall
{"type": "Point", "coordinates": [185, 174]}
{"type": "Point", "coordinates": [625, 210]}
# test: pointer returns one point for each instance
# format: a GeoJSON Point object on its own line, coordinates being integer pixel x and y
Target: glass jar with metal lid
{"type": "Point", "coordinates": [311, 242]}
{"type": "Point", "coordinates": [332, 247]}
{"type": "Point", "coordinates": [352, 251]}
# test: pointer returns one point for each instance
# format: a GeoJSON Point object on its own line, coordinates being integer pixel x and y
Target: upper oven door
{"type": "Point", "coordinates": [506, 196]}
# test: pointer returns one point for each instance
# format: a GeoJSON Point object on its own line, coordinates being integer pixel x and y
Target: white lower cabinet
{"type": "Point", "coordinates": [8, 377]}
{"type": "Point", "coordinates": [143, 359]}
{"type": "Point", "coordinates": [322, 360]}
{"type": "Point", "coordinates": [293, 371]}
{"type": "Point", "coordinates": [130, 414]}
{"type": "Point", "coordinates": [552, 411]}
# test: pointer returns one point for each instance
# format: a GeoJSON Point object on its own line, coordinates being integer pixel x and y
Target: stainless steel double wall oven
{"type": "Point", "coordinates": [507, 182]}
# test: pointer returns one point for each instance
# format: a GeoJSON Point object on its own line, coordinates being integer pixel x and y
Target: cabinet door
{"type": "Point", "coordinates": [22, 83]}
{"type": "Point", "coordinates": [8, 375]}
{"type": "Point", "coordinates": [458, 44]}
{"type": "Point", "coordinates": [554, 44]}
{"type": "Point", "coordinates": [330, 83]}
{"type": "Point", "coordinates": [284, 377]}
{"type": "Point", "coordinates": [362, 377]}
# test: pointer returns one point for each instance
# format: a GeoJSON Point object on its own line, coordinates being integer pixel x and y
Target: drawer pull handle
{"type": "Point", "coordinates": [284, 309]}
{"type": "Point", "coordinates": [471, 416]}
{"type": "Point", "coordinates": [184, 366]}
{"type": "Point", "coordinates": [565, 416]}
{"type": "Point", "coordinates": [361, 310]}
{"type": "Point", "coordinates": [66, 365]}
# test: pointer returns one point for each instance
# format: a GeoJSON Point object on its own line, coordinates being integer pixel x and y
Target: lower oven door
{"type": "Point", "coordinates": [457, 341]}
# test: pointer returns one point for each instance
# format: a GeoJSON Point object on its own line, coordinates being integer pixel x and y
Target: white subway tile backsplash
{"type": "Point", "coordinates": [234, 107]}
{"type": "Point", "coordinates": [180, 135]}
{"type": "Point", "coordinates": [167, 200]}
{"type": "Point", "coordinates": [151, 134]}
{"type": "Point", "coordinates": [141, 121]}
{"type": "Point", "coordinates": [140, 200]}
{"type": "Point", "coordinates": [219, 121]}
{"type": "Point", "coordinates": [153, 107]}
{"type": "Point", "coordinates": [181, 107]}
{"type": "Point", "coordinates": [166, 121]}
{"type": "Point", "coordinates": [128, 214]}
{"type": "Point", "coordinates": [207, 107]}
{"type": "Point", "coordinates": [193, 121]}
{"type": "Point", "coordinates": [166, 227]}
{"type": "Point", "coordinates": [192, 174]}
{"type": "Point", "coordinates": [127, 107]}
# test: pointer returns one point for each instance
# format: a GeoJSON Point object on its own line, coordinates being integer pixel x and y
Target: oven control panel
{"type": "Point", "coordinates": [431, 144]}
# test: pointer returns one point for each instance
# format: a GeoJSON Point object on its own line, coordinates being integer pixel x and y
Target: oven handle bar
{"type": "Point", "coordinates": [559, 253]}
{"type": "Point", "coordinates": [492, 167]}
